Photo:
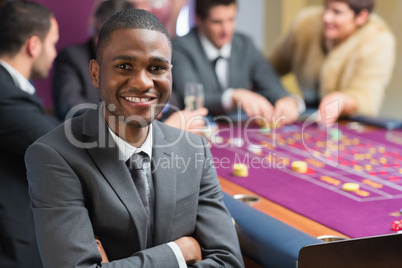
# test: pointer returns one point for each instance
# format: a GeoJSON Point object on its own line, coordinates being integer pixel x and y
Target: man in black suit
{"type": "Point", "coordinates": [28, 34]}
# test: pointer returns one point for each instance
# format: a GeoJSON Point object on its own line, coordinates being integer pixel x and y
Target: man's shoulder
{"type": "Point", "coordinates": [185, 40]}
{"type": "Point", "coordinates": [70, 129]}
{"type": "Point", "coordinates": [75, 52]}
{"type": "Point", "coordinates": [5, 78]}
{"type": "Point", "coordinates": [176, 136]}
{"type": "Point", "coordinates": [242, 40]}
{"type": "Point", "coordinates": [8, 88]}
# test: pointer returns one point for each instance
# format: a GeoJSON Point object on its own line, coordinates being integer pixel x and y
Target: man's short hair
{"type": "Point", "coordinates": [109, 7]}
{"type": "Point", "coordinates": [19, 21]}
{"type": "Point", "coordinates": [359, 5]}
{"type": "Point", "coordinates": [128, 19]}
{"type": "Point", "coordinates": [202, 7]}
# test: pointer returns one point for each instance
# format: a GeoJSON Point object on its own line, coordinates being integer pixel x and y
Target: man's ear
{"type": "Point", "coordinates": [362, 17]}
{"type": "Point", "coordinates": [34, 46]}
{"type": "Point", "coordinates": [94, 71]}
{"type": "Point", "coordinates": [198, 20]}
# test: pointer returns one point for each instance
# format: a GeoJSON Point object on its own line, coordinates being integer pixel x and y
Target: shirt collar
{"type": "Point", "coordinates": [213, 52]}
{"type": "Point", "coordinates": [126, 150]}
{"type": "Point", "coordinates": [19, 80]}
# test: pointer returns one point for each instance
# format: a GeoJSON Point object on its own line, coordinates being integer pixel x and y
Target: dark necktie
{"type": "Point", "coordinates": [136, 167]}
{"type": "Point", "coordinates": [220, 74]}
{"type": "Point", "coordinates": [215, 61]}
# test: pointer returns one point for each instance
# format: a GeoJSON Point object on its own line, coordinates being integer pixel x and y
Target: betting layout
{"type": "Point", "coordinates": [347, 158]}
{"type": "Point", "coordinates": [362, 167]}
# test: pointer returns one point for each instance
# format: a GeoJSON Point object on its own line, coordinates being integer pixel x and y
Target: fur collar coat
{"type": "Point", "coordinates": [361, 66]}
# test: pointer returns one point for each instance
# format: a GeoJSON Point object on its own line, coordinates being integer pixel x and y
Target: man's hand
{"type": "Point", "coordinates": [101, 250]}
{"type": "Point", "coordinates": [333, 105]}
{"type": "Point", "coordinates": [186, 120]}
{"type": "Point", "coordinates": [286, 110]}
{"type": "Point", "coordinates": [253, 104]}
{"type": "Point", "coordinates": [190, 249]}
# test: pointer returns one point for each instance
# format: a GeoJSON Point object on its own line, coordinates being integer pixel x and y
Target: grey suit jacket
{"type": "Point", "coordinates": [247, 69]}
{"type": "Point", "coordinates": [81, 192]}
{"type": "Point", "coordinates": [71, 83]}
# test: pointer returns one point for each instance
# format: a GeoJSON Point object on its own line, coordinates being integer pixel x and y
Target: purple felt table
{"type": "Point", "coordinates": [372, 158]}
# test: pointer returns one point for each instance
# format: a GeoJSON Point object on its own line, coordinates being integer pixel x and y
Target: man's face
{"type": "Point", "coordinates": [219, 26]}
{"type": "Point", "coordinates": [134, 76]}
{"type": "Point", "coordinates": [339, 20]}
{"type": "Point", "coordinates": [43, 62]}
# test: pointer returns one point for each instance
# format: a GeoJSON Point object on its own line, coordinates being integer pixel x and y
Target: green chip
{"type": "Point", "coordinates": [335, 134]}
{"type": "Point", "coordinates": [265, 130]}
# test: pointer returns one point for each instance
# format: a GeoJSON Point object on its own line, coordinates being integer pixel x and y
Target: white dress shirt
{"type": "Point", "coordinates": [221, 68]}
{"type": "Point", "coordinates": [19, 80]}
{"type": "Point", "coordinates": [125, 152]}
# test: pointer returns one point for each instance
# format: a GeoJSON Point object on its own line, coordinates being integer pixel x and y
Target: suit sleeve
{"type": "Point", "coordinates": [22, 122]}
{"type": "Point", "coordinates": [214, 229]}
{"type": "Point", "coordinates": [63, 226]}
{"type": "Point", "coordinates": [67, 85]}
{"type": "Point", "coordinates": [187, 70]}
{"type": "Point", "coordinates": [265, 79]}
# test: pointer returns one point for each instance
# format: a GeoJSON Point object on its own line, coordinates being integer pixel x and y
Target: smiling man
{"type": "Point", "coordinates": [92, 177]}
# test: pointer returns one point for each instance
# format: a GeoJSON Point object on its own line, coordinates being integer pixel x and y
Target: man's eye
{"type": "Point", "coordinates": [157, 68]}
{"type": "Point", "coordinates": [124, 66]}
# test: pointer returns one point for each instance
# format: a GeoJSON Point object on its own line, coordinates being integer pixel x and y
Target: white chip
{"type": "Point", "coordinates": [254, 148]}
{"type": "Point", "coordinates": [237, 142]}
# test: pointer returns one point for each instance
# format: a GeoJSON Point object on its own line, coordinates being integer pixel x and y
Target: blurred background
{"type": "Point", "coordinates": [263, 20]}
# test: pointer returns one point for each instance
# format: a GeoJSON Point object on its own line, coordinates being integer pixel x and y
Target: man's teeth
{"type": "Point", "coordinates": [137, 100]}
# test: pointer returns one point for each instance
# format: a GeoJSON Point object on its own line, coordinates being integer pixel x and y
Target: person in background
{"type": "Point", "coordinates": [229, 66]}
{"type": "Point", "coordinates": [341, 54]}
{"type": "Point", "coordinates": [71, 84]}
{"type": "Point", "coordinates": [88, 179]}
{"type": "Point", "coordinates": [28, 35]}
{"type": "Point", "coordinates": [167, 11]}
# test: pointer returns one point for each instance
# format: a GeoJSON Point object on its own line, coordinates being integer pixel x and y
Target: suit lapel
{"type": "Point", "coordinates": [164, 178]}
{"type": "Point", "coordinates": [234, 62]}
{"type": "Point", "coordinates": [208, 70]}
{"type": "Point", "coordinates": [106, 156]}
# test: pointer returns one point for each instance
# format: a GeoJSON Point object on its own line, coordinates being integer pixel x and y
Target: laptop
{"type": "Point", "coordinates": [370, 252]}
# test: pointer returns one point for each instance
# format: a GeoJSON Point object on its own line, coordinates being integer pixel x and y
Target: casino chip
{"type": "Point", "coordinates": [350, 187]}
{"type": "Point", "coordinates": [335, 134]}
{"type": "Point", "coordinates": [240, 170]}
{"type": "Point", "coordinates": [299, 166]}
{"type": "Point", "coordinates": [237, 142]}
{"type": "Point", "coordinates": [265, 130]}
{"type": "Point", "coordinates": [255, 149]}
